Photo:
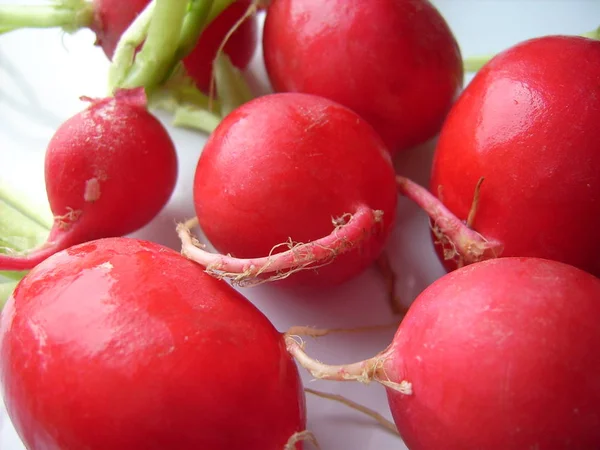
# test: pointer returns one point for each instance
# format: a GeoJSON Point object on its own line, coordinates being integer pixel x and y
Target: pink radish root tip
{"type": "Point", "coordinates": [457, 238]}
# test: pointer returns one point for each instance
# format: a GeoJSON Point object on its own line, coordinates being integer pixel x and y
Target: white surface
{"type": "Point", "coordinates": [42, 74]}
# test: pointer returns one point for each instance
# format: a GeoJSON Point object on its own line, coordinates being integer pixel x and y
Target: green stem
{"type": "Point", "coordinates": [474, 63]}
{"type": "Point", "coordinates": [155, 60]}
{"type": "Point", "coordinates": [70, 15]}
{"type": "Point", "coordinates": [6, 29]}
{"type": "Point", "coordinates": [193, 25]}
{"type": "Point", "coordinates": [169, 98]}
{"type": "Point", "coordinates": [124, 54]}
{"type": "Point", "coordinates": [199, 119]}
{"type": "Point", "coordinates": [595, 34]}
{"type": "Point", "coordinates": [217, 8]}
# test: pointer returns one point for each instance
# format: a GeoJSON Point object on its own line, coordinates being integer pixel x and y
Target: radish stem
{"type": "Point", "coordinates": [193, 24]}
{"type": "Point", "coordinates": [218, 6]}
{"type": "Point", "coordinates": [466, 243]}
{"type": "Point", "coordinates": [155, 59]}
{"type": "Point", "coordinates": [124, 53]}
{"type": "Point", "coordinates": [196, 118]}
{"type": "Point", "coordinates": [70, 15]}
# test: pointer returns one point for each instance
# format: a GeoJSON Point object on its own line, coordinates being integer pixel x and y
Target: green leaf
{"type": "Point", "coordinates": [232, 88]}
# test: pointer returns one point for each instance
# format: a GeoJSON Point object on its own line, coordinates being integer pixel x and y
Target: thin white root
{"type": "Point", "coordinates": [318, 332]}
{"type": "Point", "coordinates": [385, 423]}
{"type": "Point", "coordinates": [299, 437]}
{"type": "Point", "coordinates": [365, 371]}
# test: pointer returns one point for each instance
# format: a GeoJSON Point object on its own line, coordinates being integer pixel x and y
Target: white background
{"type": "Point", "coordinates": [42, 74]}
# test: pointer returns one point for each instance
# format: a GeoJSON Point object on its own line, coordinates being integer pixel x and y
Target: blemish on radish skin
{"type": "Point", "coordinates": [106, 265]}
{"type": "Point", "coordinates": [92, 190]}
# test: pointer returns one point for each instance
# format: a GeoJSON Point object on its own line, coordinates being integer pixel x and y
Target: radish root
{"type": "Point", "coordinates": [350, 230]}
{"type": "Point", "coordinates": [455, 236]}
{"type": "Point", "coordinates": [299, 437]}
{"type": "Point", "coordinates": [389, 276]}
{"type": "Point", "coordinates": [318, 332]}
{"type": "Point", "coordinates": [365, 372]}
{"type": "Point", "coordinates": [385, 423]}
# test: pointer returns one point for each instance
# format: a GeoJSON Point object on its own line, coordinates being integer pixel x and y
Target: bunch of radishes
{"type": "Point", "coordinates": [298, 187]}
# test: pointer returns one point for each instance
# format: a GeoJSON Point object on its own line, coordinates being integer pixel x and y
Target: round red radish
{"type": "Point", "coordinates": [285, 169]}
{"type": "Point", "coordinates": [501, 354]}
{"type": "Point", "coordinates": [109, 170]}
{"type": "Point", "coordinates": [528, 124]}
{"type": "Point", "coordinates": [123, 344]}
{"type": "Point", "coordinates": [394, 62]}
{"type": "Point", "coordinates": [239, 48]}
{"type": "Point", "coordinates": [112, 17]}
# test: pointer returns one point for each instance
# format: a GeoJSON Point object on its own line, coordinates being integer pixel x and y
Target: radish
{"type": "Point", "coordinates": [123, 344]}
{"type": "Point", "coordinates": [109, 170]}
{"type": "Point", "coordinates": [394, 62]}
{"type": "Point", "coordinates": [526, 125]}
{"type": "Point", "coordinates": [502, 354]}
{"type": "Point", "coordinates": [109, 19]}
{"type": "Point", "coordinates": [292, 183]}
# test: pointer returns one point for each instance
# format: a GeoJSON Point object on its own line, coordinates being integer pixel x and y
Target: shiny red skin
{"type": "Point", "coordinates": [528, 123]}
{"type": "Point", "coordinates": [282, 166]}
{"type": "Point", "coordinates": [240, 47]}
{"type": "Point", "coordinates": [501, 354]}
{"type": "Point", "coordinates": [130, 155]}
{"type": "Point", "coordinates": [123, 344]}
{"type": "Point", "coordinates": [112, 18]}
{"type": "Point", "coordinates": [394, 62]}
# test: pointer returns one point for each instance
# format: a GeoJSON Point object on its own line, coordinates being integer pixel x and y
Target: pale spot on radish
{"type": "Point", "coordinates": [106, 265]}
{"type": "Point", "coordinates": [92, 190]}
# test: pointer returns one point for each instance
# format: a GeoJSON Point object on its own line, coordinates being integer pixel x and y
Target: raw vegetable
{"type": "Point", "coordinates": [527, 125]}
{"type": "Point", "coordinates": [109, 19]}
{"type": "Point", "coordinates": [109, 170]}
{"type": "Point", "coordinates": [497, 355]}
{"type": "Point", "coordinates": [396, 63]}
{"type": "Point", "coordinates": [124, 344]}
{"type": "Point", "coordinates": [290, 183]}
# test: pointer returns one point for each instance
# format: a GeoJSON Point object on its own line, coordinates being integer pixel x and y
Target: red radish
{"type": "Point", "coordinates": [394, 62]}
{"type": "Point", "coordinates": [124, 344]}
{"type": "Point", "coordinates": [109, 19]}
{"type": "Point", "coordinates": [112, 17]}
{"type": "Point", "coordinates": [286, 169]}
{"type": "Point", "coordinates": [109, 171]}
{"type": "Point", "coordinates": [502, 354]}
{"type": "Point", "coordinates": [528, 125]}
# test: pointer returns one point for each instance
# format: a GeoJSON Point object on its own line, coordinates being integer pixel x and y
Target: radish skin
{"type": "Point", "coordinates": [109, 170]}
{"type": "Point", "coordinates": [109, 19]}
{"type": "Point", "coordinates": [124, 344]}
{"type": "Point", "coordinates": [395, 62]}
{"type": "Point", "coordinates": [498, 354]}
{"type": "Point", "coordinates": [288, 184]}
{"type": "Point", "coordinates": [527, 124]}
